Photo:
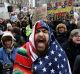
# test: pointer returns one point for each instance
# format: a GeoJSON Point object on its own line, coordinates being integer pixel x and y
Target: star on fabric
{"type": "Point", "coordinates": [59, 55]}
{"type": "Point", "coordinates": [62, 66]}
{"type": "Point", "coordinates": [60, 72]}
{"type": "Point", "coordinates": [64, 59]}
{"type": "Point", "coordinates": [52, 52]}
{"type": "Point", "coordinates": [50, 63]}
{"type": "Point", "coordinates": [40, 62]}
{"type": "Point", "coordinates": [52, 71]}
{"type": "Point", "coordinates": [46, 57]}
{"type": "Point", "coordinates": [55, 59]}
{"type": "Point", "coordinates": [44, 69]}
{"type": "Point", "coordinates": [35, 67]}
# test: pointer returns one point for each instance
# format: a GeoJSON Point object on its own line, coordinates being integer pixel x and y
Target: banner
{"type": "Point", "coordinates": [60, 7]}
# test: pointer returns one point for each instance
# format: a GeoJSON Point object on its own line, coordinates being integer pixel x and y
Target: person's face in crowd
{"type": "Point", "coordinates": [13, 25]}
{"type": "Point", "coordinates": [8, 43]}
{"type": "Point", "coordinates": [76, 39]}
{"type": "Point", "coordinates": [9, 28]}
{"type": "Point", "coordinates": [41, 40]}
{"type": "Point", "coordinates": [61, 30]}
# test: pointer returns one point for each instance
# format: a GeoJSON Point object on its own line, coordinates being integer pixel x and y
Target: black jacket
{"type": "Point", "coordinates": [76, 69]}
{"type": "Point", "coordinates": [72, 50]}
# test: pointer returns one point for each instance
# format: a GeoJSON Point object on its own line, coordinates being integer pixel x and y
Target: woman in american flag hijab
{"type": "Point", "coordinates": [47, 55]}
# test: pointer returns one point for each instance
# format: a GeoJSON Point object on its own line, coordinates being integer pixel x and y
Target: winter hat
{"type": "Point", "coordinates": [61, 25]}
{"type": "Point", "coordinates": [7, 35]}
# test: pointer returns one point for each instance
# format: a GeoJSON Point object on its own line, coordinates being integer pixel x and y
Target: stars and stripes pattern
{"type": "Point", "coordinates": [55, 61]}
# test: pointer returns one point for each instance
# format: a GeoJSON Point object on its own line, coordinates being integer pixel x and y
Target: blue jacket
{"type": "Point", "coordinates": [7, 60]}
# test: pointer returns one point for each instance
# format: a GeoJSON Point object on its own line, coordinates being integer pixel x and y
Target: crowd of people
{"type": "Point", "coordinates": [46, 47]}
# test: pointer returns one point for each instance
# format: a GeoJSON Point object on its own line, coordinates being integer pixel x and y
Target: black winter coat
{"type": "Point", "coordinates": [76, 69]}
{"type": "Point", "coordinates": [72, 50]}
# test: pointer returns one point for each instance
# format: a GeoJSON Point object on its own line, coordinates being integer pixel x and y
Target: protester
{"type": "Point", "coordinates": [61, 33]}
{"type": "Point", "coordinates": [45, 52]}
{"type": "Point", "coordinates": [72, 46]}
{"type": "Point", "coordinates": [7, 53]}
{"type": "Point", "coordinates": [17, 35]}
{"type": "Point", "coordinates": [28, 32]}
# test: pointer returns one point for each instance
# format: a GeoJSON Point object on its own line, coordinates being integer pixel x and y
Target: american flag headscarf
{"type": "Point", "coordinates": [55, 61]}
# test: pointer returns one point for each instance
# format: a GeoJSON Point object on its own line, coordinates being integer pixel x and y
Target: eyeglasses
{"type": "Point", "coordinates": [77, 36]}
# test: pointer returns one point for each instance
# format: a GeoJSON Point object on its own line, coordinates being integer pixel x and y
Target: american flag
{"type": "Point", "coordinates": [55, 61]}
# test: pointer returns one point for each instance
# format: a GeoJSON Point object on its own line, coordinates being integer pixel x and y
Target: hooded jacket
{"type": "Point", "coordinates": [7, 58]}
